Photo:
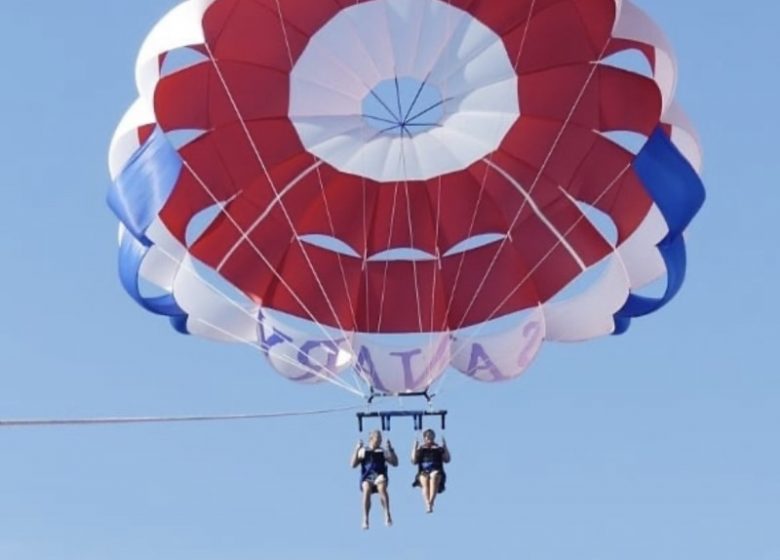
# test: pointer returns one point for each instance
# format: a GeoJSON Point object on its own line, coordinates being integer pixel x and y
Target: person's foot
{"type": "Point", "coordinates": [388, 520]}
{"type": "Point", "coordinates": [364, 526]}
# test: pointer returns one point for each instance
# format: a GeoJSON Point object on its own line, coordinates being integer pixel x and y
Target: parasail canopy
{"type": "Point", "coordinates": [379, 190]}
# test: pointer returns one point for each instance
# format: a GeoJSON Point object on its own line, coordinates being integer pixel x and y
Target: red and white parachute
{"type": "Point", "coordinates": [394, 187]}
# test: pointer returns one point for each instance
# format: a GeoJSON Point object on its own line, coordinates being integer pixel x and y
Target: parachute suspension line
{"type": "Point", "coordinates": [483, 182]}
{"type": "Point", "coordinates": [262, 347]}
{"type": "Point", "coordinates": [61, 422]}
{"type": "Point", "coordinates": [546, 256]}
{"type": "Point", "coordinates": [436, 233]}
{"type": "Point", "coordinates": [284, 34]}
{"type": "Point", "coordinates": [410, 225]}
{"type": "Point", "coordinates": [534, 184]}
{"type": "Point", "coordinates": [352, 308]}
{"type": "Point", "coordinates": [546, 161]}
{"type": "Point", "coordinates": [319, 173]}
{"type": "Point", "coordinates": [273, 186]}
{"type": "Point", "coordinates": [260, 254]}
{"type": "Point", "coordinates": [434, 328]}
{"type": "Point", "coordinates": [568, 231]}
{"type": "Point", "coordinates": [536, 210]}
{"type": "Point", "coordinates": [387, 263]}
{"type": "Point", "coordinates": [445, 89]}
{"type": "Point", "coordinates": [475, 335]}
{"type": "Point", "coordinates": [267, 212]}
{"type": "Point", "coordinates": [480, 197]}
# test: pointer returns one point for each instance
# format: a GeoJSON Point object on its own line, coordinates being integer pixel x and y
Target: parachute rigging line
{"type": "Point", "coordinates": [264, 348]}
{"type": "Point", "coordinates": [527, 199]}
{"type": "Point", "coordinates": [52, 422]}
{"type": "Point", "coordinates": [273, 186]}
{"type": "Point", "coordinates": [297, 167]}
{"type": "Point", "coordinates": [256, 249]}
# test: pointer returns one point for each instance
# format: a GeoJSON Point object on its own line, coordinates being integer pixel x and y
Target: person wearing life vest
{"type": "Point", "coordinates": [373, 461]}
{"type": "Point", "coordinates": [430, 458]}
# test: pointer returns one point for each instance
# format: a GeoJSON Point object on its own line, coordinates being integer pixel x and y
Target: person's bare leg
{"type": "Point", "coordinates": [425, 484]}
{"type": "Point", "coordinates": [384, 498]}
{"type": "Point", "coordinates": [433, 489]}
{"type": "Point", "coordinates": [366, 503]}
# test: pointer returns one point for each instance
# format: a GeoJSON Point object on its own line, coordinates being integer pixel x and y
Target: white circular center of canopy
{"type": "Point", "coordinates": [396, 90]}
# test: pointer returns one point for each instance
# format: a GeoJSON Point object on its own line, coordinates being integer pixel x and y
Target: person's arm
{"type": "Point", "coordinates": [415, 451]}
{"type": "Point", "coordinates": [445, 456]}
{"type": "Point", "coordinates": [390, 455]}
{"type": "Point", "coordinates": [357, 455]}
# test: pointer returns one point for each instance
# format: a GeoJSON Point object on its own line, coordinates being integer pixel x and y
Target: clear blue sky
{"type": "Point", "coordinates": [661, 444]}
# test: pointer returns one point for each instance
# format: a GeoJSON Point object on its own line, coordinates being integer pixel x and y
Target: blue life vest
{"type": "Point", "coordinates": [373, 464]}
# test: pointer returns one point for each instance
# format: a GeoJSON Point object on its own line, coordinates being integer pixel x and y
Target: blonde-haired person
{"type": "Point", "coordinates": [430, 458]}
{"type": "Point", "coordinates": [373, 461]}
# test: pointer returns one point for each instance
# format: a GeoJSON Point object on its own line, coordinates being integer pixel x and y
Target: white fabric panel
{"type": "Point", "coordinates": [181, 27]}
{"type": "Point", "coordinates": [502, 356]}
{"type": "Point", "coordinates": [213, 313]}
{"type": "Point", "coordinates": [125, 140]}
{"type": "Point", "coordinates": [639, 253]}
{"type": "Point", "coordinates": [458, 74]}
{"type": "Point", "coordinates": [163, 260]}
{"type": "Point", "coordinates": [405, 20]}
{"type": "Point", "coordinates": [590, 314]}
{"type": "Point", "coordinates": [684, 136]}
{"type": "Point", "coordinates": [492, 95]}
{"type": "Point", "coordinates": [362, 27]}
{"type": "Point", "coordinates": [438, 25]}
{"type": "Point", "coordinates": [307, 356]}
{"type": "Point", "coordinates": [432, 42]}
{"type": "Point", "coordinates": [400, 363]}
{"type": "Point", "coordinates": [309, 98]}
{"type": "Point", "coordinates": [635, 25]}
{"type": "Point", "coordinates": [320, 129]}
{"type": "Point", "coordinates": [436, 150]}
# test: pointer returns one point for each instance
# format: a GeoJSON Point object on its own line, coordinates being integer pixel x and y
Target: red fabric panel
{"type": "Point", "coordinates": [559, 35]}
{"type": "Point", "coordinates": [189, 196]}
{"type": "Point", "coordinates": [535, 241]}
{"type": "Point", "coordinates": [551, 267]}
{"type": "Point", "coordinates": [144, 133]}
{"type": "Point", "coordinates": [533, 238]}
{"type": "Point", "coordinates": [598, 20]}
{"type": "Point", "coordinates": [187, 199]}
{"type": "Point", "coordinates": [247, 31]}
{"type": "Point", "coordinates": [390, 216]}
{"type": "Point", "coordinates": [464, 273]}
{"type": "Point", "coordinates": [246, 268]}
{"type": "Point", "coordinates": [628, 101]}
{"type": "Point", "coordinates": [196, 98]}
{"type": "Point", "coordinates": [323, 281]}
{"type": "Point", "coordinates": [342, 196]}
{"type": "Point", "coordinates": [181, 99]}
{"type": "Point", "coordinates": [613, 99]}
{"type": "Point", "coordinates": [388, 302]}
{"type": "Point", "coordinates": [626, 201]}
{"type": "Point", "coordinates": [459, 200]}
{"type": "Point", "coordinates": [540, 145]}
